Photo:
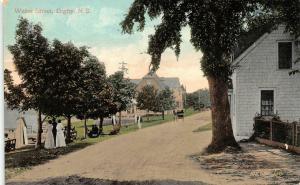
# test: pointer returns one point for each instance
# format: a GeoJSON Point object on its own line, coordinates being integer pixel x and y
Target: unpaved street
{"type": "Point", "coordinates": [156, 153]}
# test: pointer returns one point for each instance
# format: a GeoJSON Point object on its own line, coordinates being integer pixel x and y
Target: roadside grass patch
{"type": "Point", "coordinates": [204, 128]}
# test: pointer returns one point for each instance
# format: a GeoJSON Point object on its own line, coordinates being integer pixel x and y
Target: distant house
{"type": "Point", "coordinates": [161, 83]}
{"type": "Point", "coordinates": [261, 82]}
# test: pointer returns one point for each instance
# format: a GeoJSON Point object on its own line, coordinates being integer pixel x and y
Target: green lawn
{"type": "Point", "coordinates": [153, 120]}
{"type": "Point", "coordinates": [22, 160]}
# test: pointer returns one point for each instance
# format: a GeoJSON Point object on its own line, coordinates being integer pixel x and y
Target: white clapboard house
{"type": "Point", "coordinates": [261, 83]}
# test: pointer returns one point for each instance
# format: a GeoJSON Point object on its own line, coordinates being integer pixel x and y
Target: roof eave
{"type": "Point", "coordinates": [249, 49]}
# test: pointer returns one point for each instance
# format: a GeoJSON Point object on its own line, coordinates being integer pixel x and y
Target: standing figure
{"type": "Point", "coordinates": [175, 115]}
{"type": "Point", "coordinates": [49, 140]}
{"type": "Point", "coordinates": [54, 130]}
{"type": "Point", "coordinates": [60, 137]}
{"type": "Point", "coordinates": [139, 122]}
{"type": "Point", "coordinates": [114, 120]}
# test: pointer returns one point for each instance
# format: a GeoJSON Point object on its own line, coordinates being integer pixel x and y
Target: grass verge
{"type": "Point", "coordinates": [204, 128]}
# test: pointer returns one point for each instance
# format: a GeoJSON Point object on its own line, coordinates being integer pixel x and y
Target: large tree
{"type": "Point", "coordinates": [147, 99]}
{"type": "Point", "coordinates": [92, 78]}
{"type": "Point", "coordinates": [123, 94]}
{"type": "Point", "coordinates": [165, 100]}
{"type": "Point", "coordinates": [215, 27]}
{"type": "Point", "coordinates": [104, 104]}
{"type": "Point", "coordinates": [30, 57]}
{"type": "Point", "coordinates": [95, 92]}
{"type": "Point", "coordinates": [64, 90]}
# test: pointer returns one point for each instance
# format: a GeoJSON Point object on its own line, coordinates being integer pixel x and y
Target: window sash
{"type": "Point", "coordinates": [267, 102]}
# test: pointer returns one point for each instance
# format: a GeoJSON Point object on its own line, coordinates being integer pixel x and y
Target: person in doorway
{"type": "Point", "coordinates": [60, 138]}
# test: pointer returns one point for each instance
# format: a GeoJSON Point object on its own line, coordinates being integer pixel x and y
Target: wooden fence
{"type": "Point", "coordinates": [277, 131]}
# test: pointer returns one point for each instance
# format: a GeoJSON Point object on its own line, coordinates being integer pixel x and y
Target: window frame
{"type": "Point", "coordinates": [274, 98]}
{"type": "Point", "coordinates": [292, 54]}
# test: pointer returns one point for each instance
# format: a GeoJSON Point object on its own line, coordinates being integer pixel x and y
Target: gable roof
{"type": "Point", "coordinates": [248, 38]}
{"type": "Point", "coordinates": [171, 82]}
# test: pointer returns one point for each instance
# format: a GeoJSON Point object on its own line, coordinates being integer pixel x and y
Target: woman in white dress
{"type": "Point", "coordinates": [60, 137]}
{"type": "Point", "coordinates": [49, 140]}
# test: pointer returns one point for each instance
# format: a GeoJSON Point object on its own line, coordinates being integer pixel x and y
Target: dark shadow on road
{"type": "Point", "coordinates": [76, 180]}
{"type": "Point", "coordinates": [19, 161]}
{"type": "Point", "coordinates": [35, 157]}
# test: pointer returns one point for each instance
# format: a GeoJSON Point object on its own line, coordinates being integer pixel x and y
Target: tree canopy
{"type": "Point", "coordinates": [61, 79]}
{"type": "Point", "coordinates": [215, 26]}
{"type": "Point", "coordinates": [152, 99]}
{"type": "Point", "coordinates": [94, 92]}
{"type": "Point", "coordinates": [198, 99]}
{"type": "Point", "coordinates": [123, 91]}
{"type": "Point", "coordinates": [147, 98]}
{"type": "Point", "coordinates": [30, 53]}
{"type": "Point", "coordinates": [165, 100]}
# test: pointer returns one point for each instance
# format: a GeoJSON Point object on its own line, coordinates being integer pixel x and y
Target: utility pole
{"type": "Point", "coordinates": [123, 67]}
{"type": "Point", "coordinates": [199, 99]}
{"type": "Point", "coordinates": [184, 106]}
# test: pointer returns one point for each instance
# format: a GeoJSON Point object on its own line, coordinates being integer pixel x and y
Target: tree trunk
{"type": "Point", "coordinates": [85, 128]}
{"type": "Point", "coordinates": [163, 115]}
{"type": "Point", "coordinates": [68, 139]}
{"type": "Point", "coordinates": [40, 130]}
{"type": "Point", "coordinates": [120, 119]}
{"type": "Point", "coordinates": [222, 134]}
{"type": "Point", "coordinates": [101, 124]}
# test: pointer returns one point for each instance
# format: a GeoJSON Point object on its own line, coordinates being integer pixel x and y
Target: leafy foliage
{"type": "Point", "coordinates": [95, 92]}
{"type": "Point", "coordinates": [215, 26]}
{"type": "Point", "coordinates": [30, 53]}
{"type": "Point", "coordinates": [165, 100]}
{"type": "Point", "coordinates": [13, 94]}
{"type": "Point", "coordinates": [151, 99]}
{"type": "Point", "coordinates": [123, 92]}
{"type": "Point", "coordinates": [61, 79]}
{"type": "Point", "coordinates": [297, 60]}
{"type": "Point", "coordinates": [146, 98]}
{"type": "Point", "coordinates": [66, 60]}
{"type": "Point", "coordinates": [198, 98]}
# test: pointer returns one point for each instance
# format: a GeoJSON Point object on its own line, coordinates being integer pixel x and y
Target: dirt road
{"type": "Point", "coordinates": [161, 152]}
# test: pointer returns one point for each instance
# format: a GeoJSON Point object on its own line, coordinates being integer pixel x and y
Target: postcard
{"type": "Point", "coordinates": [151, 92]}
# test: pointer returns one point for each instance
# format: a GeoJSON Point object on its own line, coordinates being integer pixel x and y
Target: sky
{"type": "Point", "coordinates": [95, 23]}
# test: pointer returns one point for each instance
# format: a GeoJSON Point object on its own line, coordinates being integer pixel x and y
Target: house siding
{"type": "Point", "coordinates": [257, 71]}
